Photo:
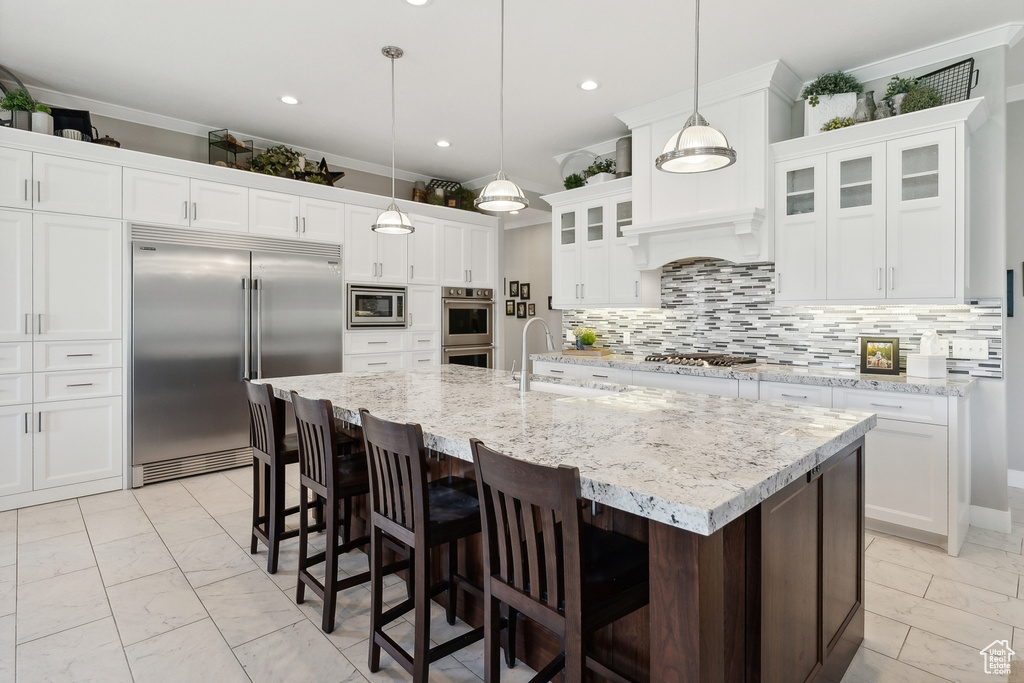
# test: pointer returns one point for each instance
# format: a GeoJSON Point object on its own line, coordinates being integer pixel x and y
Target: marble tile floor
{"type": "Point", "coordinates": [157, 584]}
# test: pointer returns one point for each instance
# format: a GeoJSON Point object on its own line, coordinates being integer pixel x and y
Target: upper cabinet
{"type": "Point", "coordinates": [468, 257]}
{"type": "Point", "coordinates": [165, 199]}
{"type": "Point", "coordinates": [219, 206]}
{"type": "Point", "coordinates": [286, 215]}
{"type": "Point", "coordinates": [876, 212]}
{"type": "Point", "coordinates": [425, 251]}
{"type": "Point", "coordinates": [371, 256]}
{"type": "Point", "coordinates": [16, 188]}
{"type": "Point", "coordinates": [591, 262]}
{"type": "Point", "coordinates": [62, 185]}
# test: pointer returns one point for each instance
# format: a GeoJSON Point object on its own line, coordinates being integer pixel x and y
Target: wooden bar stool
{"type": "Point", "coordinates": [421, 515]}
{"type": "Point", "coordinates": [545, 563]}
{"type": "Point", "coordinates": [337, 480]}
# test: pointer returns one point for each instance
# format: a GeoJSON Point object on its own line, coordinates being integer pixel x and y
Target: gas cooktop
{"type": "Point", "coordinates": [700, 359]}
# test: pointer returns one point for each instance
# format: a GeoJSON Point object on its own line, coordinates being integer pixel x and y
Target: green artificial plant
{"type": "Point", "coordinates": [279, 161]}
{"type": "Point", "coordinates": [17, 100]}
{"type": "Point", "coordinates": [834, 83]}
{"type": "Point", "coordinates": [599, 166]}
{"type": "Point", "coordinates": [43, 109]}
{"type": "Point", "coordinates": [574, 180]}
{"type": "Point", "coordinates": [919, 98]}
{"type": "Point", "coordinates": [837, 123]}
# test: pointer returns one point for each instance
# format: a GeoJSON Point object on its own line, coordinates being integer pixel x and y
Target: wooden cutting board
{"type": "Point", "coordinates": [591, 353]}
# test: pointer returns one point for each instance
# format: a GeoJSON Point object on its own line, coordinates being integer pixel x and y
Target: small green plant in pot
{"type": "Point", "coordinates": [574, 180]}
{"type": "Point", "coordinates": [897, 89]}
{"type": "Point", "coordinates": [829, 96]}
{"type": "Point", "coordinates": [599, 171]}
{"type": "Point", "coordinates": [585, 337]}
{"type": "Point", "coordinates": [836, 124]}
{"type": "Point", "coordinates": [21, 105]}
{"type": "Point", "coordinates": [920, 98]}
{"type": "Point", "coordinates": [42, 119]}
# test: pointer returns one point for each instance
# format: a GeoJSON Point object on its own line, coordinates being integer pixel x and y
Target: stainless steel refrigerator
{"type": "Point", "coordinates": [205, 317]}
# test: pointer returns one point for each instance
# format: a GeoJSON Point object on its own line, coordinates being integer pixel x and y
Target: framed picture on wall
{"type": "Point", "coordinates": [513, 288]}
{"type": "Point", "coordinates": [524, 290]}
{"type": "Point", "coordinates": [532, 308]}
{"type": "Point", "coordinates": [550, 308]}
{"type": "Point", "coordinates": [510, 307]}
{"type": "Point", "coordinates": [880, 355]}
{"type": "Point", "coordinates": [521, 309]}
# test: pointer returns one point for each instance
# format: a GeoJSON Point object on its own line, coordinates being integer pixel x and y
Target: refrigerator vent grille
{"type": "Point", "coordinates": [221, 240]}
{"type": "Point", "coordinates": [196, 464]}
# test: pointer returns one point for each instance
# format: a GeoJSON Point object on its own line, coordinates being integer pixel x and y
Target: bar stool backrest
{"type": "Point", "coordinates": [531, 529]}
{"type": "Point", "coordinates": [398, 474]}
{"type": "Point", "coordinates": [314, 427]}
{"type": "Point", "coordinates": [266, 422]}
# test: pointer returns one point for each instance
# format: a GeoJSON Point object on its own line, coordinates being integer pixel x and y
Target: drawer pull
{"type": "Point", "coordinates": [597, 375]}
{"type": "Point", "coordinates": [794, 396]}
{"type": "Point", "coordinates": [886, 405]}
{"type": "Point", "coordinates": [79, 355]}
{"type": "Point", "coordinates": [423, 341]}
{"type": "Point", "coordinates": [83, 384]}
{"type": "Point", "coordinates": [380, 363]}
{"type": "Point", "coordinates": [557, 372]}
{"type": "Point", "coordinates": [423, 360]}
{"type": "Point", "coordinates": [376, 342]}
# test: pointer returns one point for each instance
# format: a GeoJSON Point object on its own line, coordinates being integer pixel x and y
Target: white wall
{"type": "Point", "coordinates": [526, 257]}
{"type": "Point", "coordinates": [1013, 367]}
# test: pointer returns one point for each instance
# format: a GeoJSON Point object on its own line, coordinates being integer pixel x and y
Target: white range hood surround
{"type": "Point", "coordinates": [724, 214]}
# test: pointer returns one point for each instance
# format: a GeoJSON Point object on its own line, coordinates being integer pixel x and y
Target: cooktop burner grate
{"type": "Point", "coordinates": [700, 359]}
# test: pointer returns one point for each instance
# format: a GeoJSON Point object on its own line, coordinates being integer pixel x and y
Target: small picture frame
{"type": "Point", "coordinates": [550, 308]}
{"type": "Point", "coordinates": [880, 355]}
{"type": "Point", "coordinates": [521, 309]}
{"type": "Point", "coordinates": [510, 307]}
{"type": "Point", "coordinates": [513, 288]}
{"type": "Point", "coordinates": [532, 308]}
{"type": "Point", "coordinates": [524, 290]}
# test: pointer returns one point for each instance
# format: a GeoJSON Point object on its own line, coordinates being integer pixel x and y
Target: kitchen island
{"type": "Point", "coordinates": [753, 511]}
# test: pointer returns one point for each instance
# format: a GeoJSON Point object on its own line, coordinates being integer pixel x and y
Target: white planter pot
{"type": "Point", "coordinates": [22, 120]}
{"type": "Point", "coordinates": [829, 107]}
{"type": "Point", "coordinates": [897, 103]}
{"type": "Point", "coordinates": [600, 178]}
{"type": "Point", "coordinates": [42, 123]}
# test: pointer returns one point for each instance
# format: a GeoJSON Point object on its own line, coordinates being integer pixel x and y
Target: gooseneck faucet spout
{"type": "Point", "coordinates": [524, 376]}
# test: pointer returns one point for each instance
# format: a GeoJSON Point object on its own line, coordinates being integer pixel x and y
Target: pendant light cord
{"type": "Point", "coordinates": [696, 53]}
{"type": "Point", "coordinates": [501, 96]}
{"type": "Point", "coordinates": [392, 130]}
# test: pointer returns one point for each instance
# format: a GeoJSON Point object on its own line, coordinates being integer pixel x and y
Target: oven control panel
{"type": "Point", "coordinates": [466, 293]}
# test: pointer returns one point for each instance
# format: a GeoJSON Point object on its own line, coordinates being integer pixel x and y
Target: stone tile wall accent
{"type": "Point", "coordinates": [710, 305]}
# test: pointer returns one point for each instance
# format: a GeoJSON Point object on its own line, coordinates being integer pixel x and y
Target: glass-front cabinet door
{"type": "Point", "coordinates": [921, 220]}
{"type": "Point", "coordinates": [855, 234]}
{"type": "Point", "coordinates": [566, 275]}
{"type": "Point", "coordinates": [800, 253]}
{"type": "Point", "coordinates": [594, 253]}
{"type": "Point", "coordinates": [624, 280]}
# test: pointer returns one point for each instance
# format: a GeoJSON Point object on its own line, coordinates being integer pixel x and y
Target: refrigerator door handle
{"type": "Point", "coordinates": [246, 334]}
{"type": "Point", "coordinates": [258, 286]}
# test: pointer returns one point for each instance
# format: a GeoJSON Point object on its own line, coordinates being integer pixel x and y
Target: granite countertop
{"type": "Point", "coordinates": [692, 461]}
{"type": "Point", "coordinates": [851, 379]}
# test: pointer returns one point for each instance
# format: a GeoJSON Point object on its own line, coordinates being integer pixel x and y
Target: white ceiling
{"type": "Point", "coordinates": [225, 63]}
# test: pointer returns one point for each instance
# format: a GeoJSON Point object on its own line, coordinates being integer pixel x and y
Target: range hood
{"type": "Point", "coordinates": [728, 213]}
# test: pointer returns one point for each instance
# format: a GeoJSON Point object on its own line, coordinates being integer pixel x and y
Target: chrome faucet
{"type": "Point", "coordinates": [524, 376]}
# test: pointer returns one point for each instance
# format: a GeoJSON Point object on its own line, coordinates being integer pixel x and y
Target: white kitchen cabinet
{"type": "Point", "coordinates": [371, 256]}
{"type": "Point", "coordinates": [75, 186]}
{"type": "Point", "coordinates": [425, 251]}
{"type": "Point", "coordinates": [76, 290]}
{"type": "Point", "coordinates": [556, 369]}
{"type": "Point", "coordinates": [151, 197]}
{"type": "Point", "coordinates": [16, 322]}
{"type": "Point", "coordinates": [77, 441]}
{"type": "Point", "coordinates": [375, 362]}
{"type": "Point", "coordinates": [16, 188]}
{"type": "Point", "coordinates": [804, 394]}
{"type": "Point", "coordinates": [274, 213]}
{"type": "Point", "coordinates": [322, 221]}
{"type": "Point", "coordinates": [424, 359]}
{"type": "Point", "coordinates": [905, 475]}
{"type": "Point", "coordinates": [594, 373]}
{"type": "Point", "coordinates": [15, 388]}
{"type": "Point", "coordinates": [63, 386]}
{"type": "Point", "coordinates": [16, 449]}
{"type": "Point", "coordinates": [219, 206]}
{"type": "Point", "coordinates": [800, 230]}
{"type": "Point", "coordinates": [719, 386]}
{"type": "Point", "coordinates": [627, 285]}
{"type": "Point", "coordinates": [374, 341]}
{"type": "Point", "coordinates": [16, 357]}
{"type": "Point", "coordinates": [76, 355]}
{"type": "Point", "coordinates": [468, 253]}
{"type": "Point", "coordinates": [423, 308]}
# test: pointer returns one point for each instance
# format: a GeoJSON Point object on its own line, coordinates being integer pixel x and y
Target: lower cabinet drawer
{"type": "Point", "coordinates": [598, 374]}
{"type": "Point", "coordinates": [893, 405]}
{"type": "Point", "coordinates": [77, 355]}
{"type": "Point", "coordinates": [61, 386]}
{"type": "Point", "coordinates": [15, 389]}
{"type": "Point", "coordinates": [556, 369]}
{"type": "Point", "coordinates": [424, 341]}
{"type": "Point", "coordinates": [16, 357]}
{"type": "Point", "coordinates": [718, 386]}
{"type": "Point", "coordinates": [374, 362]}
{"type": "Point", "coordinates": [377, 341]}
{"type": "Point", "coordinates": [424, 359]}
{"type": "Point", "coordinates": [807, 394]}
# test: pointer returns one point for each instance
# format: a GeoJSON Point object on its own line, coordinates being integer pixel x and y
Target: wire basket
{"type": "Point", "coordinates": [446, 185]}
{"type": "Point", "coordinates": [954, 82]}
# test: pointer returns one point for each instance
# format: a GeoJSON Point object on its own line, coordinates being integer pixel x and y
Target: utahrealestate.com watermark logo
{"type": "Point", "coordinates": [997, 657]}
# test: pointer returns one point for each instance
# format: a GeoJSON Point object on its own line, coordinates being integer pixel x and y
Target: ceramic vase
{"type": "Point", "coordinates": [42, 123]}
{"type": "Point", "coordinates": [22, 120]}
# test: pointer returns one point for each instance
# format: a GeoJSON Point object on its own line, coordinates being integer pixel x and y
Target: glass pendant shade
{"type": "Point", "coordinates": [393, 222]}
{"type": "Point", "coordinates": [697, 147]}
{"type": "Point", "coordinates": [501, 194]}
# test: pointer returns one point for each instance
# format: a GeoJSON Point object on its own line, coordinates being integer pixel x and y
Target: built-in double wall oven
{"type": "Point", "coordinates": [468, 326]}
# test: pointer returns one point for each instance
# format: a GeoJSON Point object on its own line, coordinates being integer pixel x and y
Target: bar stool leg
{"type": "Point", "coordinates": [421, 649]}
{"type": "Point", "coordinates": [376, 594]}
{"type": "Point", "coordinates": [451, 568]}
{"type": "Point", "coordinates": [511, 618]}
{"type": "Point", "coordinates": [300, 590]}
{"type": "Point", "coordinates": [330, 570]}
{"type": "Point", "coordinates": [257, 492]}
{"type": "Point", "coordinates": [492, 640]}
{"type": "Point", "coordinates": [275, 516]}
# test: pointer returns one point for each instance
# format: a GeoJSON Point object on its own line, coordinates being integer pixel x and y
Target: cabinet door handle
{"type": "Point", "coordinates": [194, 210]}
{"type": "Point", "coordinates": [28, 429]}
{"type": "Point", "coordinates": [39, 191]}
{"type": "Point", "coordinates": [83, 384]}
{"type": "Point", "coordinates": [79, 355]}
{"type": "Point", "coordinates": [636, 288]}
{"type": "Point", "coordinates": [185, 206]}
{"type": "Point", "coordinates": [583, 291]}
{"type": "Point", "coordinates": [296, 224]}
{"type": "Point", "coordinates": [577, 291]}
{"type": "Point", "coordinates": [411, 271]}
{"type": "Point", "coordinates": [793, 396]}
{"type": "Point", "coordinates": [470, 274]}
{"type": "Point", "coordinates": [28, 198]}
{"type": "Point", "coordinates": [778, 283]}
{"type": "Point", "coordinates": [40, 428]}
{"type": "Point", "coordinates": [380, 363]}
{"type": "Point", "coordinates": [28, 323]}
{"type": "Point", "coordinates": [39, 323]}
{"type": "Point", "coordinates": [303, 224]}
{"type": "Point", "coordinates": [878, 279]}
{"type": "Point", "coordinates": [887, 405]}
{"type": "Point", "coordinates": [892, 277]}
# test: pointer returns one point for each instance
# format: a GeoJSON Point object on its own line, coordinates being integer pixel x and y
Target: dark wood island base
{"type": "Point", "coordinates": [776, 596]}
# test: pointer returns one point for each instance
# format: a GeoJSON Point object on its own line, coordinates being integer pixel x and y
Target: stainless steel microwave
{"type": "Point", "coordinates": [376, 306]}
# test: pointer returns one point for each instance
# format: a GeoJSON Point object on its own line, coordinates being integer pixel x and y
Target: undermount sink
{"type": "Point", "coordinates": [563, 389]}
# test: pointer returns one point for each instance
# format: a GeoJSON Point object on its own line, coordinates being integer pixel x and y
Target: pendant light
{"type": "Point", "coordinates": [697, 147]}
{"type": "Point", "coordinates": [392, 221]}
{"type": "Point", "coordinates": [501, 194]}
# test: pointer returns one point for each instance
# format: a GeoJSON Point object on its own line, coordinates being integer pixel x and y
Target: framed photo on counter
{"type": "Point", "coordinates": [510, 307]}
{"type": "Point", "coordinates": [880, 355]}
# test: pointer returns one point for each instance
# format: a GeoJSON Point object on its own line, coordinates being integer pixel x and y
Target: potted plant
{"type": "Point", "coordinates": [922, 97]}
{"type": "Point", "coordinates": [585, 337]}
{"type": "Point", "coordinates": [280, 161]}
{"type": "Point", "coordinates": [827, 97]}
{"type": "Point", "coordinates": [836, 124]}
{"type": "Point", "coordinates": [21, 105]}
{"type": "Point", "coordinates": [574, 180]}
{"type": "Point", "coordinates": [42, 120]}
{"type": "Point", "coordinates": [896, 91]}
{"type": "Point", "coordinates": [600, 171]}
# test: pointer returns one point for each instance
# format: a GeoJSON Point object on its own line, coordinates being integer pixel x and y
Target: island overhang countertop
{"type": "Point", "coordinates": [693, 461]}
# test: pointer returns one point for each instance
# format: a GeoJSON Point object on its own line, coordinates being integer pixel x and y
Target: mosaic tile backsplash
{"type": "Point", "coordinates": [718, 306]}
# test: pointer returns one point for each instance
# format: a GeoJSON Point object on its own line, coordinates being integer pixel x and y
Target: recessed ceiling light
{"type": "Point", "coordinates": [288, 99]}
{"type": "Point", "coordinates": [443, 143]}
{"type": "Point", "coordinates": [588, 85]}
